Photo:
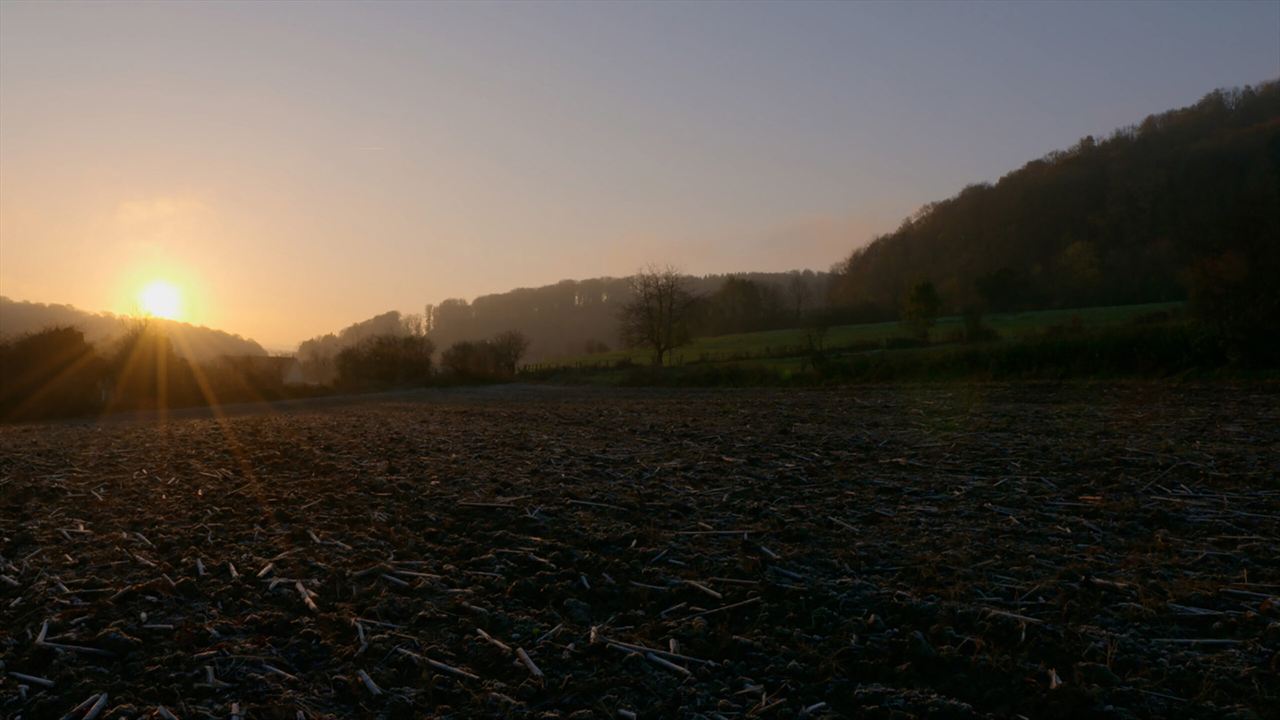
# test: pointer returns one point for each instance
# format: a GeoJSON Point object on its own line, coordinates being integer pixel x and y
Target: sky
{"type": "Point", "coordinates": [295, 167]}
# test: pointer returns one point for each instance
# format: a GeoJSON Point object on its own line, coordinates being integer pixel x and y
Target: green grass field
{"type": "Point", "coordinates": [779, 348]}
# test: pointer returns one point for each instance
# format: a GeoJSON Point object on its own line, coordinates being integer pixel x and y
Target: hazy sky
{"type": "Point", "coordinates": [295, 167]}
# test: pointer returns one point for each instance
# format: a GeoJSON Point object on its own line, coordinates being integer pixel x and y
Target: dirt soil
{"type": "Point", "coordinates": [887, 552]}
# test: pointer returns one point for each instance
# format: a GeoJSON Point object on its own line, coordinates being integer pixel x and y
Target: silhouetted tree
{"type": "Point", "coordinates": [921, 308]}
{"type": "Point", "coordinates": [57, 373]}
{"type": "Point", "coordinates": [471, 360]}
{"type": "Point", "coordinates": [800, 294]}
{"type": "Point", "coordinates": [510, 346]}
{"type": "Point", "coordinates": [657, 315]}
{"type": "Point", "coordinates": [1235, 294]}
{"type": "Point", "coordinates": [384, 361]}
{"type": "Point", "coordinates": [816, 326]}
{"type": "Point", "coordinates": [493, 359]}
{"type": "Point", "coordinates": [318, 356]}
{"type": "Point", "coordinates": [148, 373]}
{"type": "Point", "coordinates": [50, 373]}
{"type": "Point", "coordinates": [740, 305]}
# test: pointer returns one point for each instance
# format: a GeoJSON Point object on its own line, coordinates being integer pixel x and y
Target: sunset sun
{"type": "Point", "coordinates": [161, 299]}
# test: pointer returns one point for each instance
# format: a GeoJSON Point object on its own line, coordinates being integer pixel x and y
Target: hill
{"type": "Point", "coordinates": [1155, 212]}
{"type": "Point", "coordinates": [194, 342]}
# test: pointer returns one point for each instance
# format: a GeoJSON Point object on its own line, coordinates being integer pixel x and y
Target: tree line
{"type": "Point", "coordinates": [577, 317]}
{"type": "Point", "coordinates": [406, 359]}
{"type": "Point", "coordinates": [57, 372]}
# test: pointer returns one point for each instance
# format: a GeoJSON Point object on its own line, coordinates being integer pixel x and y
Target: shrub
{"type": "Point", "coordinates": [921, 309]}
{"type": "Point", "coordinates": [1235, 294]}
{"type": "Point", "coordinates": [146, 372]}
{"type": "Point", "coordinates": [486, 360]}
{"type": "Point", "coordinates": [386, 361]}
{"type": "Point", "coordinates": [50, 373]}
{"type": "Point", "coordinates": [471, 360]}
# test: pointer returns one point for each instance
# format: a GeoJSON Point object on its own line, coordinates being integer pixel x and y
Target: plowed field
{"type": "Point", "coordinates": [887, 552]}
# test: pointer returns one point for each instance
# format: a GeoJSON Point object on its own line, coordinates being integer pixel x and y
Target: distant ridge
{"type": "Point", "coordinates": [195, 342]}
{"type": "Point", "coordinates": [566, 318]}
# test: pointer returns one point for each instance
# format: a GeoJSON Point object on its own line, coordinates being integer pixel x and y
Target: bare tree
{"type": "Point", "coordinates": [799, 291]}
{"type": "Point", "coordinates": [510, 346]}
{"type": "Point", "coordinates": [657, 314]}
{"type": "Point", "coordinates": [816, 327]}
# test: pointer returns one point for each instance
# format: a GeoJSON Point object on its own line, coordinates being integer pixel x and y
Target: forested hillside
{"type": "Point", "coordinates": [1184, 201]}
{"type": "Point", "coordinates": [194, 342]}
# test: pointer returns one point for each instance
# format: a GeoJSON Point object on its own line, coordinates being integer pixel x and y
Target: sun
{"type": "Point", "coordinates": [162, 299]}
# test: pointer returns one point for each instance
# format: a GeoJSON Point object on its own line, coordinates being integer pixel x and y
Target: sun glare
{"type": "Point", "coordinates": [161, 299]}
